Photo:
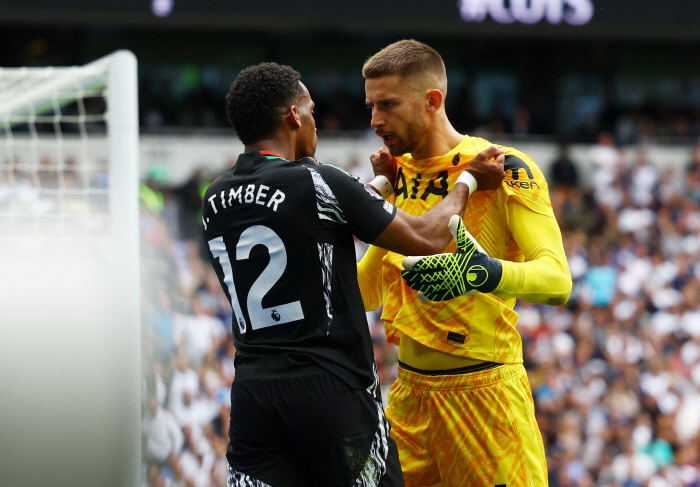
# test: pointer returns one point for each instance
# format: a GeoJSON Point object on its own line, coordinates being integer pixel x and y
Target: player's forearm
{"type": "Point", "coordinates": [432, 227]}
{"type": "Point", "coordinates": [426, 234]}
{"type": "Point", "coordinates": [544, 280]}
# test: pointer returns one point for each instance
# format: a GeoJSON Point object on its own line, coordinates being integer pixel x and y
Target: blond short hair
{"type": "Point", "coordinates": [407, 58]}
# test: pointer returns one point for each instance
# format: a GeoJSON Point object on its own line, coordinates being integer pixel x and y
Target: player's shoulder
{"type": "Point", "coordinates": [329, 178]}
{"type": "Point", "coordinates": [521, 167]}
{"type": "Point", "coordinates": [221, 181]}
{"type": "Point", "coordinates": [326, 170]}
{"type": "Point", "coordinates": [518, 165]}
{"type": "Point", "coordinates": [524, 181]}
{"type": "Point", "coordinates": [473, 145]}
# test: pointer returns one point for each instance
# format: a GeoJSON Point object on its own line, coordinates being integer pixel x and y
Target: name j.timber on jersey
{"type": "Point", "coordinates": [263, 197]}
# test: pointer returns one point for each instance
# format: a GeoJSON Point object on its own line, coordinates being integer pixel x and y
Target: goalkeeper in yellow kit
{"type": "Point", "coordinates": [461, 410]}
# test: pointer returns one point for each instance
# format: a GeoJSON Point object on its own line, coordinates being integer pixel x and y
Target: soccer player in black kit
{"type": "Point", "coordinates": [306, 408]}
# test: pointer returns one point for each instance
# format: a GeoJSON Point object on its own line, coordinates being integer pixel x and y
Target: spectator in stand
{"type": "Point", "coordinates": [521, 123]}
{"type": "Point", "coordinates": [197, 462]}
{"type": "Point", "coordinates": [607, 166]}
{"type": "Point", "coordinates": [183, 380]}
{"type": "Point", "coordinates": [564, 170]}
{"type": "Point", "coordinates": [644, 179]}
{"type": "Point", "coordinates": [200, 333]}
{"type": "Point", "coordinates": [189, 204]}
{"type": "Point", "coordinates": [162, 435]}
{"type": "Point", "coordinates": [161, 324]}
{"type": "Point", "coordinates": [150, 190]}
{"type": "Point", "coordinates": [692, 180]}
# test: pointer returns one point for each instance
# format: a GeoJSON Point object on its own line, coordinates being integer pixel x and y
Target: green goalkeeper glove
{"type": "Point", "coordinates": [445, 276]}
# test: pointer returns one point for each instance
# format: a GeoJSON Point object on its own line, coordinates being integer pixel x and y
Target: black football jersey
{"type": "Point", "coordinates": [280, 237]}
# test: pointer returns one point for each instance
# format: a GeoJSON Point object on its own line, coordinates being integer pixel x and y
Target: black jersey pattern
{"type": "Point", "coordinates": [325, 255]}
{"type": "Point", "coordinates": [326, 203]}
{"type": "Point", "coordinates": [376, 467]}
{"type": "Point", "coordinates": [280, 238]}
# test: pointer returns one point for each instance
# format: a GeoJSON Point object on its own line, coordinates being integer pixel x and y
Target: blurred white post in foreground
{"type": "Point", "coordinates": [69, 275]}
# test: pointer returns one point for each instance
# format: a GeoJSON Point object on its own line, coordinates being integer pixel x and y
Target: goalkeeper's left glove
{"type": "Point", "coordinates": [445, 276]}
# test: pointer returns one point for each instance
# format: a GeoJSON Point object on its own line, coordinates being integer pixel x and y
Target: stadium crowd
{"type": "Point", "coordinates": [163, 106]}
{"type": "Point", "coordinates": [193, 99]}
{"type": "Point", "coordinates": [615, 373]}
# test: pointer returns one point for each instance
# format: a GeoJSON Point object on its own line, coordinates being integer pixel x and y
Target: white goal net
{"type": "Point", "coordinates": [54, 169]}
{"type": "Point", "coordinates": [69, 273]}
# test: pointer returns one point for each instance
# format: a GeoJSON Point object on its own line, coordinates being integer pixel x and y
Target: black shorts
{"type": "Point", "coordinates": [307, 431]}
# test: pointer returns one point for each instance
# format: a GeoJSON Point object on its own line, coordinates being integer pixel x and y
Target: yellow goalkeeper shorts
{"type": "Point", "coordinates": [472, 429]}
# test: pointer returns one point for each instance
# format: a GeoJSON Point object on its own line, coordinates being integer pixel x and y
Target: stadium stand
{"type": "Point", "coordinates": [615, 373]}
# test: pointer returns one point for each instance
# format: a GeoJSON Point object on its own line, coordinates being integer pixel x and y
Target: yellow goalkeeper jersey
{"type": "Point", "coordinates": [477, 326]}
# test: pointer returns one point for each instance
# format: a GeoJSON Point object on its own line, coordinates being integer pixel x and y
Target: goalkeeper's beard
{"type": "Point", "coordinates": [415, 130]}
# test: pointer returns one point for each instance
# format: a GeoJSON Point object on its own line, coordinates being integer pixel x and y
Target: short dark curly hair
{"type": "Point", "coordinates": [254, 103]}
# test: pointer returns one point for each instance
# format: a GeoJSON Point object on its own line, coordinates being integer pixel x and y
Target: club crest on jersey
{"type": "Point", "coordinates": [275, 315]}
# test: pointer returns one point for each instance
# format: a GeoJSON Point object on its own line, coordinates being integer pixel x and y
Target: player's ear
{"type": "Point", "coordinates": [435, 100]}
{"type": "Point", "coordinates": [293, 116]}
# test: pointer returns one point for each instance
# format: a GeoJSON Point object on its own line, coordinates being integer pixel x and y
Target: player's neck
{"type": "Point", "coordinates": [440, 139]}
{"type": "Point", "coordinates": [279, 144]}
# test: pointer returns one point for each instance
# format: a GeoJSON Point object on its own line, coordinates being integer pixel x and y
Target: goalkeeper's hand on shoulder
{"type": "Point", "coordinates": [445, 276]}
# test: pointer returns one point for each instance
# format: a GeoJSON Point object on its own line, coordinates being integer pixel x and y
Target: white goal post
{"type": "Point", "coordinates": [69, 274]}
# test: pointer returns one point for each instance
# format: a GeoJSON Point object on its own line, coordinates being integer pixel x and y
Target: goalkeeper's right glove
{"type": "Point", "coordinates": [445, 276]}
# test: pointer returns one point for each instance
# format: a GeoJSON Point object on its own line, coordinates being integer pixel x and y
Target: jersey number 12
{"type": "Point", "coordinates": [259, 317]}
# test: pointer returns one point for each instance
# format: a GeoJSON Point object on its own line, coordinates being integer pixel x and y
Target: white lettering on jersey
{"type": "Point", "coordinates": [211, 200]}
{"type": "Point", "coordinates": [233, 194]}
{"type": "Point", "coordinates": [261, 194]}
{"type": "Point", "coordinates": [250, 193]}
{"type": "Point", "coordinates": [276, 199]}
{"type": "Point", "coordinates": [262, 197]}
